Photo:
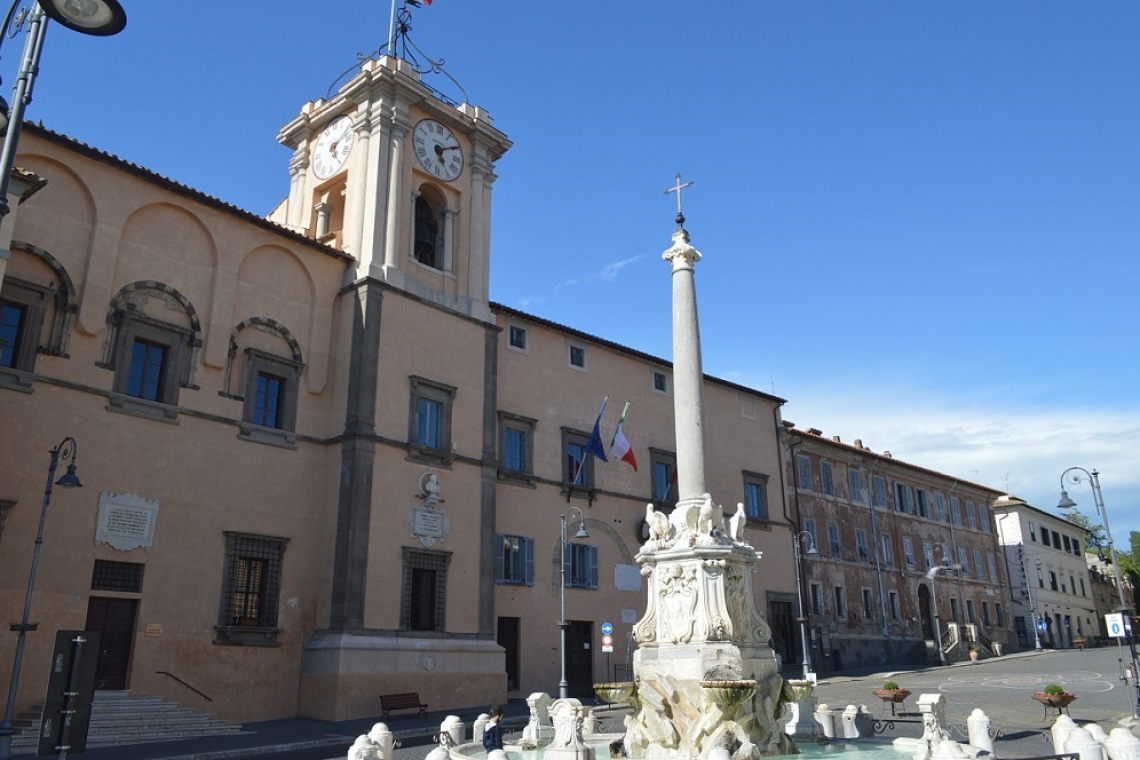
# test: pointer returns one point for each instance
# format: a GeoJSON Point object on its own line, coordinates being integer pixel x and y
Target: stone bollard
{"type": "Point", "coordinates": [590, 723]}
{"type": "Point", "coordinates": [850, 724]}
{"type": "Point", "coordinates": [478, 726]}
{"type": "Point", "coordinates": [978, 726]}
{"type": "Point", "coordinates": [362, 749]}
{"type": "Point", "coordinates": [1060, 731]}
{"type": "Point", "coordinates": [865, 721]}
{"type": "Point", "coordinates": [1082, 743]}
{"type": "Point", "coordinates": [1121, 744]}
{"type": "Point", "coordinates": [1096, 731]}
{"type": "Point", "coordinates": [538, 731]}
{"type": "Point", "coordinates": [383, 740]}
{"type": "Point", "coordinates": [453, 726]}
{"type": "Point", "coordinates": [826, 720]}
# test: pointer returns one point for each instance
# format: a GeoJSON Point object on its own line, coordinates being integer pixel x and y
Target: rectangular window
{"type": "Point", "coordinates": [955, 511]}
{"type": "Point", "coordinates": [908, 551]}
{"type": "Point", "coordinates": [1078, 549]}
{"type": "Point", "coordinates": [1032, 532]}
{"type": "Point", "coordinates": [663, 472]}
{"type": "Point", "coordinates": [1052, 580]}
{"type": "Point", "coordinates": [581, 566]}
{"type": "Point", "coordinates": [978, 567]}
{"type": "Point", "coordinates": [576, 356]}
{"type": "Point", "coordinates": [577, 465]}
{"type": "Point", "coordinates": [1000, 615]}
{"type": "Point", "coordinates": [983, 518]}
{"type": "Point", "coordinates": [269, 400]}
{"type": "Point", "coordinates": [270, 394]}
{"type": "Point", "coordinates": [879, 494]}
{"type": "Point", "coordinates": [816, 598]}
{"type": "Point", "coordinates": [928, 554]}
{"type": "Point", "coordinates": [514, 561]}
{"type": "Point", "coordinates": [827, 477]}
{"type": "Point", "coordinates": [1056, 540]}
{"type": "Point", "coordinates": [868, 605]}
{"type": "Point", "coordinates": [971, 515]}
{"type": "Point", "coordinates": [1072, 583]}
{"type": "Point", "coordinates": [109, 575]}
{"type": "Point", "coordinates": [893, 603]}
{"type": "Point", "coordinates": [145, 376]}
{"type": "Point", "coordinates": [855, 484]}
{"type": "Point", "coordinates": [1083, 587]}
{"type": "Point", "coordinates": [517, 446]}
{"type": "Point", "coordinates": [1040, 578]}
{"type": "Point", "coordinates": [840, 602]}
{"type": "Point", "coordinates": [803, 470]}
{"type": "Point", "coordinates": [902, 499]}
{"type": "Point", "coordinates": [756, 496]}
{"type": "Point", "coordinates": [516, 337]}
{"type": "Point", "coordinates": [660, 382]}
{"type": "Point", "coordinates": [954, 613]}
{"type": "Point", "coordinates": [430, 420]}
{"type": "Point", "coordinates": [991, 562]}
{"type": "Point", "coordinates": [835, 547]}
{"type": "Point", "coordinates": [922, 502]}
{"type": "Point", "coordinates": [940, 507]}
{"type": "Point", "coordinates": [251, 587]}
{"type": "Point", "coordinates": [971, 618]}
{"type": "Point", "coordinates": [861, 545]}
{"type": "Point", "coordinates": [964, 561]}
{"type": "Point", "coordinates": [423, 599]}
{"type": "Point", "coordinates": [888, 552]}
{"type": "Point", "coordinates": [1044, 535]}
{"type": "Point", "coordinates": [13, 317]}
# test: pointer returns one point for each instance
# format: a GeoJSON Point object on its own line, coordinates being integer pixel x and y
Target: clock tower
{"type": "Point", "coordinates": [393, 173]}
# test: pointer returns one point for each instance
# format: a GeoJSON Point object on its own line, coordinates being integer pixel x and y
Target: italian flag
{"type": "Point", "coordinates": [619, 447]}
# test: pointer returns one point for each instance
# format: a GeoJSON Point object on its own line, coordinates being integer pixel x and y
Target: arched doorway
{"type": "Point", "coordinates": [924, 613]}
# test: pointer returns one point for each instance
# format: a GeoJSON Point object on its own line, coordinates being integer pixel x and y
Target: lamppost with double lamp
{"type": "Point", "coordinates": [1032, 604]}
{"type": "Point", "coordinates": [930, 576]}
{"type": "Point", "coordinates": [563, 686]}
{"type": "Point", "coordinates": [1074, 476]}
{"type": "Point", "coordinates": [101, 18]}
{"type": "Point", "coordinates": [64, 451]}
{"type": "Point", "coordinates": [811, 551]}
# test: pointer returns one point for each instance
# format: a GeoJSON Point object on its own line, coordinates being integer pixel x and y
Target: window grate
{"type": "Point", "coordinates": [253, 581]}
{"type": "Point", "coordinates": [424, 603]}
{"type": "Point", "coordinates": [126, 577]}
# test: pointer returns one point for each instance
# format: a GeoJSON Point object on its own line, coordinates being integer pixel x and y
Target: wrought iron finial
{"type": "Point", "coordinates": [677, 188]}
{"type": "Point", "coordinates": [400, 45]}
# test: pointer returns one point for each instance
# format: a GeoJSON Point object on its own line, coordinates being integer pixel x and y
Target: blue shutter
{"type": "Point", "coordinates": [592, 558]}
{"type": "Point", "coordinates": [499, 539]}
{"type": "Point", "coordinates": [528, 559]}
{"type": "Point", "coordinates": [567, 566]}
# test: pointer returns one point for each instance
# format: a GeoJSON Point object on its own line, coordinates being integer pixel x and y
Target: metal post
{"type": "Point", "coordinates": [22, 95]}
{"type": "Point", "coordinates": [563, 686]}
{"type": "Point", "coordinates": [805, 644]}
{"type": "Point", "coordinates": [1032, 605]}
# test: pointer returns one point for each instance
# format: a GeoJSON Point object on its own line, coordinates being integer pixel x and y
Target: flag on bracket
{"type": "Point", "coordinates": [619, 447]}
{"type": "Point", "coordinates": [594, 445]}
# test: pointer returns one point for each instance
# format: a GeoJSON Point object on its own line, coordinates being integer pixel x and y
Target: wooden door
{"type": "Point", "coordinates": [115, 621]}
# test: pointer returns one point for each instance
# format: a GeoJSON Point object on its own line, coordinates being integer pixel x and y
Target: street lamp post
{"type": "Point", "coordinates": [65, 450]}
{"type": "Point", "coordinates": [930, 576]}
{"type": "Point", "coordinates": [563, 686]}
{"type": "Point", "coordinates": [95, 17]}
{"type": "Point", "coordinates": [812, 551]}
{"type": "Point", "coordinates": [1032, 604]}
{"type": "Point", "coordinates": [1074, 475]}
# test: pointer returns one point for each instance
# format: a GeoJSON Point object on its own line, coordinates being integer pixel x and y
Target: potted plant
{"type": "Point", "coordinates": [1055, 696]}
{"type": "Point", "coordinates": [892, 693]}
{"type": "Point", "coordinates": [975, 650]}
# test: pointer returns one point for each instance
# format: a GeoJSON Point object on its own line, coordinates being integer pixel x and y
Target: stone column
{"type": "Point", "coordinates": [688, 375]}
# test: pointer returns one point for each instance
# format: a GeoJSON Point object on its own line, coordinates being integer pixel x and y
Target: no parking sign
{"type": "Point", "coordinates": [1115, 623]}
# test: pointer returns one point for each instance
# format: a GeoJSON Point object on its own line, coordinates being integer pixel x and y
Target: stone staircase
{"type": "Point", "coordinates": [119, 718]}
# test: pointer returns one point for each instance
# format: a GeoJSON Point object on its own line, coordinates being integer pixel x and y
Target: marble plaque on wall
{"type": "Point", "coordinates": [427, 524]}
{"type": "Point", "coordinates": [126, 521]}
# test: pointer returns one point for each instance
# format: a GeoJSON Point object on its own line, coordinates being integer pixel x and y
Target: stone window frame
{"type": "Point", "coordinates": [834, 541]}
{"type": "Point", "coordinates": [868, 602]}
{"type": "Point", "coordinates": [443, 394]}
{"type": "Point", "coordinates": [37, 297]}
{"type": "Point", "coordinates": [855, 484]}
{"type": "Point", "coordinates": [573, 346]}
{"type": "Point", "coordinates": [816, 603]}
{"type": "Point", "coordinates": [660, 382]}
{"type": "Point", "coordinates": [862, 550]}
{"type": "Point", "coordinates": [514, 329]}
{"type": "Point", "coordinates": [288, 370]}
{"type": "Point", "coordinates": [509, 421]}
{"type": "Point", "coordinates": [424, 559]}
{"type": "Point", "coordinates": [879, 491]}
{"type": "Point", "coordinates": [758, 483]}
{"type": "Point", "coordinates": [827, 477]}
{"type": "Point", "coordinates": [908, 553]}
{"type": "Point", "coordinates": [176, 340]}
{"type": "Point", "coordinates": [572, 484]}
{"type": "Point", "coordinates": [804, 476]}
{"type": "Point", "coordinates": [34, 299]}
{"type": "Point", "coordinates": [264, 629]}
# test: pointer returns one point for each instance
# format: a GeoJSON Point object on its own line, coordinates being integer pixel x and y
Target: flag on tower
{"type": "Point", "coordinates": [594, 445]}
{"type": "Point", "coordinates": [619, 447]}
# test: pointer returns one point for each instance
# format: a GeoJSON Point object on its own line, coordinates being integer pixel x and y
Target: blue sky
{"type": "Point", "coordinates": [919, 220]}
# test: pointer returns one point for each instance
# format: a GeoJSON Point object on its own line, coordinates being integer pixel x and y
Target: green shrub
{"type": "Point", "coordinates": [890, 686]}
{"type": "Point", "coordinates": [1053, 689]}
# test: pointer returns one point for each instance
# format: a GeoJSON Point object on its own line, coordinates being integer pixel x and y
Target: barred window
{"type": "Point", "coordinates": [126, 577]}
{"type": "Point", "coordinates": [423, 604]}
{"type": "Point", "coordinates": [252, 587]}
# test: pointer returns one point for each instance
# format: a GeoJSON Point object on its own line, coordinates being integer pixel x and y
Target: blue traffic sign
{"type": "Point", "coordinates": [607, 629]}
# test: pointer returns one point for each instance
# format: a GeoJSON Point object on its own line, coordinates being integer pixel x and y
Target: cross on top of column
{"type": "Point", "coordinates": [677, 188]}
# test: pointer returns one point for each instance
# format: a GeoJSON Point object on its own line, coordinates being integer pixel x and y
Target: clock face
{"type": "Point", "coordinates": [332, 147]}
{"type": "Point", "coordinates": [438, 150]}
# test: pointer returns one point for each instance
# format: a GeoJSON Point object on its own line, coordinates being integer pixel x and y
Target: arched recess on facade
{"type": "Point", "coordinates": [64, 301]}
{"type": "Point", "coordinates": [431, 228]}
{"type": "Point", "coordinates": [597, 529]}
{"type": "Point", "coordinates": [134, 302]}
{"type": "Point", "coordinates": [266, 324]}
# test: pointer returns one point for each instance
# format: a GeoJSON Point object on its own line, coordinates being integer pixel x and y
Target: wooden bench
{"type": "Point", "coordinates": [407, 701]}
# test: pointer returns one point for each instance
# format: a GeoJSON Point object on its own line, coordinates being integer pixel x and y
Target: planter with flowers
{"type": "Point", "coordinates": [1054, 696]}
{"type": "Point", "coordinates": [892, 694]}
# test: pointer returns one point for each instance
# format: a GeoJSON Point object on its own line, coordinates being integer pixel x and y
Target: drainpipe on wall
{"type": "Point", "coordinates": [797, 524]}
